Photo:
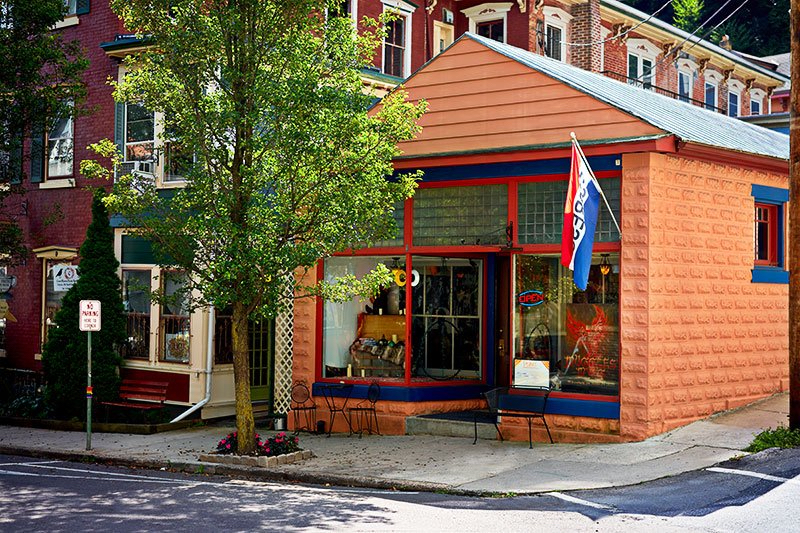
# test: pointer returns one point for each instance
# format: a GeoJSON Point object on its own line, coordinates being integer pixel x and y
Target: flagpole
{"type": "Point", "coordinates": [594, 178]}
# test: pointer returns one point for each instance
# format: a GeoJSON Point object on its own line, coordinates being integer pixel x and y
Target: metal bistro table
{"type": "Point", "coordinates": [331, 391]}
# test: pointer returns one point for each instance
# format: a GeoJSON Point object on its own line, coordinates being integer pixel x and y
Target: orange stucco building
{"type": "Point", "coordinates": [685, 313]}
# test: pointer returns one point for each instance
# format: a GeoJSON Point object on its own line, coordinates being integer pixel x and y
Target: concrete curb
{"type": "Point", "coordinates": [244, 472]}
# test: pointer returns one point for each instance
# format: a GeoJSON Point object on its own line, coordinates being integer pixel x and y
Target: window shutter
{"type": "Point", "coordinates": [82, 7]}
{"type": "Point", "coordinates": [37, 152]}
{"type": "Point", "coordinates": [119, 127]}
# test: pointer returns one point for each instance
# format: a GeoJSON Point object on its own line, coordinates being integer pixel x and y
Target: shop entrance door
{"type": "Point", "coordinates": [502, 324]}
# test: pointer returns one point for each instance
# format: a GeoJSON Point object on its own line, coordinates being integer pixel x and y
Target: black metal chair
{"type": "Point", "coordinates": [303, 404]}
{"type": "Point", "coordinates": [536, 409]}
{"type": "Point", "coordinates": [365, 409]}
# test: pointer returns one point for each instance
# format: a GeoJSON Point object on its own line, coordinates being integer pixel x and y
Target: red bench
{"type": "Point", "coordinates": [139, 394]}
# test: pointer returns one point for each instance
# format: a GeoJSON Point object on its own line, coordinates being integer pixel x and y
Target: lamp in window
{"type": "Point", "coordinates": [605, 266]}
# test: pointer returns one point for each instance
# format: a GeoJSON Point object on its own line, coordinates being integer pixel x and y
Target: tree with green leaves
{"type": "Point", "coordinates": [284, 161]}
{"type": "Point", "coordinates": [64, 355]}
{"type": "Point", "coordinates": [687, 14]}
{"type": "Point", "coordinates": [39, 77]}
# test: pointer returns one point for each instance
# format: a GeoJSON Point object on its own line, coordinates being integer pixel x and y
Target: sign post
{"type": "Point", "coordinates": [89, 322]}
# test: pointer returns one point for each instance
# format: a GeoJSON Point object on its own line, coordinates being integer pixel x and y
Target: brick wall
{"type": "Point", "coordinates": [585, 28]}
{"type": "Point", "coordinates": [698, 336]}
{"type": "Point", "coordinates": [61, 216]}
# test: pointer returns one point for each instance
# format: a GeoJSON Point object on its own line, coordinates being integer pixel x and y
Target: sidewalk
{"type": "Point", "coordinates": [433, 463]}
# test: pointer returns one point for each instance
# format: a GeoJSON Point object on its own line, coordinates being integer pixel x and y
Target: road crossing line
{"type": "Point", "coordinates": [748, 473]}
{"type": "Point", "coordinates": [578, 501]}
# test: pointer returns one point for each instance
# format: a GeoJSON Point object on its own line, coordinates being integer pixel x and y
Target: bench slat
{"type": "Point", "coordinates": [140, 394]}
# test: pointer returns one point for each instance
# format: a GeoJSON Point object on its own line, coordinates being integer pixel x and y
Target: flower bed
{"type": "Point", "coordinates": [280, 449]}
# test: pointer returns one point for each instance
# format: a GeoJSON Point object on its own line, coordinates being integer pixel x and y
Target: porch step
{"type": "Point", "coordinates": [455, 424]}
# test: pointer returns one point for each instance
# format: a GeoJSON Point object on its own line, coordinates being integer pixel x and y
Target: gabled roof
{"type": "Point", "coordinates": [690, 123]}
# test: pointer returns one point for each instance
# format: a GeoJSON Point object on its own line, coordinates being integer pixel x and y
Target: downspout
{"type": "Point", "coordinates": [209, 363]}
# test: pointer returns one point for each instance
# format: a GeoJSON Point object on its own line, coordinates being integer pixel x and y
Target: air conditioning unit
{"type": "Point", "coordinates": [143, 172]}
{"type": "Point", "coordinates": [447, 16]}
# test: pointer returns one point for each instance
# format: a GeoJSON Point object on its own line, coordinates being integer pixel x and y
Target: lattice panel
{"type": "Point", "coordinates": [284, 343]}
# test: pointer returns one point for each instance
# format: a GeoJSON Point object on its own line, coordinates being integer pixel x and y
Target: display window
{"type": "Point", "coordinates": [368, 338]}
{"type": "Point", "coordinates": [564, 338]}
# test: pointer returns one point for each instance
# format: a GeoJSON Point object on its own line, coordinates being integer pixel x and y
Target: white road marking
{"type": "Point", "coordinates": [30, 463]}
{"type": "Point", "coordinates": [101, 478]}
{"type": "Point", "coordinates": [573, 499]}
{"type": "Point", "coordinates": [748, 473]}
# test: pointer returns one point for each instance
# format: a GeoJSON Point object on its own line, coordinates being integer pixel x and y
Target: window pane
{"type": "Point", "coordinates": [541, 211]}
{"type": "Point", "coordinates": [755, 107]}
{"type": "Point", "coordinates": [136, 302]}
{"type": "Point", "coordinates": [633, 69]}
{"type": "Point", "coordinates": [399, 219]}
{"type": "Point", "coordinates": [394, 48]}
{"type": "Point", "coordinates": [492, 29]}
{"type": "Point", "coordinates": [460, 215]}
{"type": "Point", "coordinates": [683, 86]}
{"type": "Point", "coordinates": [647, 73]}
{"type": "Point", "coordinates": [711, 96]}
{"type": "Point", "coordinates": [175, 318]}
{"type": "Point", "coordinates": [553, 45]}
{"type": "Point", "coordinates": [60, 146]}
{"type": "Point", "coordinates": [364, 337]}
{"type": "Point", "coordinates": [446, 322]}
{"type": "Point", "coordinates": [733, 104]}
{"type": "Point", "coordinates": [568, 341]}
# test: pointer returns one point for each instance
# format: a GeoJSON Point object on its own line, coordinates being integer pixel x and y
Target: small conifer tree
{"type": "Point", "coordinates": [64, 354]}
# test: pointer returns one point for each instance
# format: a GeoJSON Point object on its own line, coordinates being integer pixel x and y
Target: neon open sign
{"type": "Point", "coordinates": [530, 298]}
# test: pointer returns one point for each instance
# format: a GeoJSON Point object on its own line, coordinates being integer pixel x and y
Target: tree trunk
{"type": "Point", "coordinates": [245, 425]}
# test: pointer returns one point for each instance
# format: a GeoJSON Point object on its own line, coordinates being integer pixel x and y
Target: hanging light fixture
{"type": "Point", "coordinates": [605, 266]}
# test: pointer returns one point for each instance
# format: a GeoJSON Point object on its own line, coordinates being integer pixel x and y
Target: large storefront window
{"type": "Point", "coordinates": [368, 338]}
{"type": "Point", "coordinates": [564, 338]}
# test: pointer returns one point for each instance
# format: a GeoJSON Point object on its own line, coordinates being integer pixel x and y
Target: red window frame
{"type": "Point", "coordinates": [766, 228]}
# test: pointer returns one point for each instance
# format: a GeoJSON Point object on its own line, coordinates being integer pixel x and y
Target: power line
{"type": "Point", "coordinates": [623, 33]}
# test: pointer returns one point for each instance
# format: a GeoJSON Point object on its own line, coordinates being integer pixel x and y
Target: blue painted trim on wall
{"type": "Point", "coordinates": [562, 406]}
{"type": "Point", "coordinates": [515, 169]}
{"type": "Point", "coordinates": [770, 275]}
{"type": "Point", "coordinates": [770, 195]}
{"type": "Point", "coordinates": [555, 406]}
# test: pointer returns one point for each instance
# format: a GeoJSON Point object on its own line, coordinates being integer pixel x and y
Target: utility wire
{"type": "Point", "coordinates": [593, 43]}
{"type": "Point", "coordinates": [695, 43]}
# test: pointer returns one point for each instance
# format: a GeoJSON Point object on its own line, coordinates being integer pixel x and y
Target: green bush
{"type": "Point", "coordinates": [26, 406]}
{"type": "Point", "coordinates": [780, 437]}
{"type": "Point", "coordinates": [64, 354]}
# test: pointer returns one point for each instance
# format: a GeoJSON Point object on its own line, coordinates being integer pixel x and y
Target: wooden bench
{"type": "Point", "coordinates": [139, 394]}
{"type": "Point", "coordinates": [493, 399]}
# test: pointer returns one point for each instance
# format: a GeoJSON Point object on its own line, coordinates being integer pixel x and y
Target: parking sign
{"type": "Point", "coordinates": [90, 315]}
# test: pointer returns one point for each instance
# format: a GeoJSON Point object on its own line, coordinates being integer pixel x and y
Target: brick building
{"type": "Point", "coordinates": [172, 344]}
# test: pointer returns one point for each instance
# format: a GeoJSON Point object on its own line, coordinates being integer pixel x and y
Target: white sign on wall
{"type": "Point", "coordinates": [64, 277]}
{"type": "Point", "coordinates": [90, 315]}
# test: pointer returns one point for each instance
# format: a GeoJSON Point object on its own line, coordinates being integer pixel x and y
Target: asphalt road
{"type": "Point", "coordinates": [757, 493]}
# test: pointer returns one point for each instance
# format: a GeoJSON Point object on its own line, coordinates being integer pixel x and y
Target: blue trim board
{"type": "Point", "coordinates": [515, 169]}
{"type": "Point", "coordinates": [770, 275]}
{"type": "Point", "coordinates": [555, 406]}
{"type": "Point", "coordinates": [769, 195]}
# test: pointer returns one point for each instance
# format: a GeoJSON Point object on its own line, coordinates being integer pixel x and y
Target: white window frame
{"type": "Point", "coordinates": [736, 88]}
{"type": "Point", "coordinates": [69, 140]}
{"type": "Point", "coordinates": [159, 146]}
{"type": "Point", "coordinates": [712, 78]}
{"type": "Point", "coordinates": [643, 50]}
{"type": "Point", "coordinates": [688, 68]}
{"type": "Point", "coordinates": [71, 16]}
{"type": "Point", "coordinates": [405, 10]}
{"type": "Point", "coordinates": [757, 96]}
{"type": "Point", "coordinates": [487, 13]}
{"type": "Point", "coordinates": [559, 19]}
